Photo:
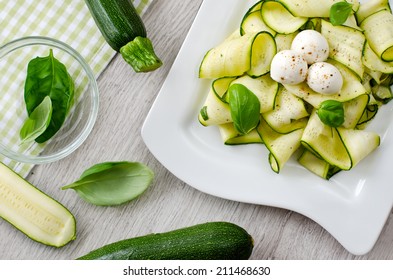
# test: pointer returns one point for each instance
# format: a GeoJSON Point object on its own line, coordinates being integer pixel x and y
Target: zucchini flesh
{"type": "Point", "coordinates": [208, 241]}
{"type": "Point", "coordinates": [34, 213]}
{"type": "Point", "coordinates": [120, 24]}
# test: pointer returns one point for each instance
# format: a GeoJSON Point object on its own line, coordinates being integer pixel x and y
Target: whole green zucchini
{"type": "Point", "coordinates": [125, 32]}
{"type": "Point", "coordinates": [208, 241]}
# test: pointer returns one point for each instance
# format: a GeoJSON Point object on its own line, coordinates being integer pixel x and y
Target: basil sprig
{"type": "Point", "coordinates": [244, 107]}
{"type": "Point", "coordinates": [47, 76]}
{"type": "Point", "coordinates": [339, 12]}
{"type": "Point", "coordinates": [331, 113]}
{"type": "Point", "coordinates": [112, 183]}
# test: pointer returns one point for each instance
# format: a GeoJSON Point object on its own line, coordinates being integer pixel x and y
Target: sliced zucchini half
{"type": "Point", "coordinates": [34, 213]}
{"type": "Point", "coordinates": [378, 29]}
{"type": "Point", "coordinates": [280, 19]}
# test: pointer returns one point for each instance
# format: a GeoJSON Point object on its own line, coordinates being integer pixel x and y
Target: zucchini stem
{"type": "Point", "coordinates": [139, 53]}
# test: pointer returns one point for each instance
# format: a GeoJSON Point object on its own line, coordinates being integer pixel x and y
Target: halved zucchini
{"type": "Point", "coordinates": [33, 212]}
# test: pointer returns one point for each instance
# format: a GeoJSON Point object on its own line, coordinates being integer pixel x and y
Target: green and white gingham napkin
{"type": "Point", "coordinates": [68, 21]}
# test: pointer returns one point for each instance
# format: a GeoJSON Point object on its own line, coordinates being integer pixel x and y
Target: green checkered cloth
{"type": "Point", "coordinates": [68, 21]}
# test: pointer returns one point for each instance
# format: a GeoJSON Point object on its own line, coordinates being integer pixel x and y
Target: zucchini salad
{"type": "Point", "coordinates": [304, 78]}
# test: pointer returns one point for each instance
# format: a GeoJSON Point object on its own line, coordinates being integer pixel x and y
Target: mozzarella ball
{"type": "Point", "coordinates": [312, 45]}
{"type": "Point", "coordinates": [288, 67]}
{"type": "Point", "coordinates": [324, 78]}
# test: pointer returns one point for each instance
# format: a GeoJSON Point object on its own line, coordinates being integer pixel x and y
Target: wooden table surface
{"type": "Point", "coordinates": [125, 100]}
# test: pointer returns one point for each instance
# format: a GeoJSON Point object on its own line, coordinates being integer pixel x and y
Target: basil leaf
{"type": "Point", "coordinates": [339, 12]}
{"type": "Point", "coordinates": [46, 76]}
{"type": "Point", "coordinates": [37, 122]}
{"type": "Point", "coordinates": [331, 112]}
{"type": "Point", "coordinates": [244, 107]}
{"type": "Point", "coordinates": [112, 183]}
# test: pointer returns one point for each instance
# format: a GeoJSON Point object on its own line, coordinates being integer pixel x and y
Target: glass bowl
{"type": "Point", "coordinates": [14, 58]}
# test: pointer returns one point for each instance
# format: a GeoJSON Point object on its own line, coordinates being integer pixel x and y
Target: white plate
{"type": "Point", "coordinates": [353, 206]}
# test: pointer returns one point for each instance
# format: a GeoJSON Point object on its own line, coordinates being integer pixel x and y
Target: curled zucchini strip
{"type": "Point", "coordinates": [352, 88]}
{"type": "Point", "coordinates": [354, 109]}
{"type": "Point", "coordinates": [371, 7]}
{"type": "Point", "coordinates": [314, 8]}
{"type": "Point", "coordinates": [214, 111]}
{"type": "Point", "coordinates": [265, 89]}
{"type": "Point", "coordinates": [220, 87]}
{"type": "Point", "coordinates": [374, 62]}
{"type": "Point", "coordinates": [253, 23]}
{"type": "Point", "coordinates": [345, 45]}
{"type": "Point", "coordinates": [231, 136]}
{"type": "Point", "coordinates": [378, 29]}
{"type": "Point", "coordinates": [289, 113]}
{"type": "Point", "coordinates": [317, 165]}
{"type": "Point", "coordinates": [359, 143]}
{"type": "Point", "coordinates": [325, 142]}
{"type": "Point", "coordinates": [251, 53]}
{"type": "Point", "coordinates": [280, 19]}
{"type": "Point", "coordinates": [280, 146]}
